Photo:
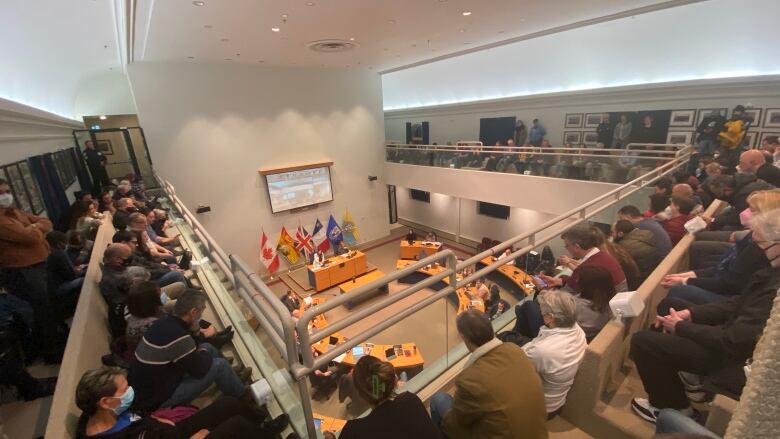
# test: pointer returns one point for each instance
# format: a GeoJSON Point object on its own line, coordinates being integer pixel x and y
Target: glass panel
{"type": "Point", "coordinates": [112, 145]}
{"type": "Point", "coordinates": [17, 186]}
{"type": "Point", "coordinates": [144, 163]}
{"type": "Point", "coordinates": [36, 201]}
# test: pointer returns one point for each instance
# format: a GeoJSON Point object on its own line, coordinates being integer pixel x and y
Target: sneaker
{"type": "Point", "coordinates": [694, 389]}
{"type": "Point", "coordinates": [245, 375]}
{"type": "Point", "coordinates": [643, 408]}
{"type": "Point", "coordinates": [275, 426]}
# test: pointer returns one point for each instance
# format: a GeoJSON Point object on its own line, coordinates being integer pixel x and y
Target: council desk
{"type": "Point", "coordinates": [337, 270]}
{"type": "Point", "coordinates": [412, 250]}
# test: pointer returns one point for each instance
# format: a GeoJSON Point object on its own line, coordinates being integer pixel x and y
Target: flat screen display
{"type": "Point", "coordinates": [301, 188]}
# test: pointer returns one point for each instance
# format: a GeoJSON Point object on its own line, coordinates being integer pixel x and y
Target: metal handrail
{"type": "Point", "coordinates": [285, 333]}
{"type": "Point", "coordinates": [551, 150]}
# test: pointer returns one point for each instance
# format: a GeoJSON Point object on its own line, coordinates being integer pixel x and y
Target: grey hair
{"type": "Point", "coordinates": [136, 273]}
{"type": "Point", "coordinates": [767, 224]}
{"type": "Point", "coordinates": [191, 299]}
{"type": "Point", "coordinates": [561, 305]}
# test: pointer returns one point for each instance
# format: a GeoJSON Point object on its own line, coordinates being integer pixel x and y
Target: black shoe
{"type": "Point", "coordinates": [276, 425]}
{"type": "Point", "coordinates": [219, 340]}
{"type": "Point", "coordinates": [228, 330]}
{"type": "Point", "coordinates": [45, 388]}
{"type": "Point", "coordinates": [245, 375]}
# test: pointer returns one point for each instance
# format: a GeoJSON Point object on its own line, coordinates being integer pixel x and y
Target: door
{"type": "Point", "coordinates": [125, 150]}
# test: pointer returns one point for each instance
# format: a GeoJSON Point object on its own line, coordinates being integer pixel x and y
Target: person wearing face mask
{"type": "Point", "coordinates": [171, 369]}
{"type": "Point", "coordinates": [106, 402]}
{"type": "Point", "coordinates": [692, 343]}
{"type": "Point", "coordinates": [23, 273]}
{"type": "Point", "coordinates": [124, 207]}
{"type": "Point", "coordinates": [734, 189]}
{"type": "Point", "coordinates": [116, 258]}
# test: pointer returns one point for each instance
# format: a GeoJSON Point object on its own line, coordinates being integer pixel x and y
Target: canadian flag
{"type": "Point", "coordinates": [268, 254]}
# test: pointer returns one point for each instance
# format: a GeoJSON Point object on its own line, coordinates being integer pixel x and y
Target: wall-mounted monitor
{"type": "Point", "coordinates": [298, 186]}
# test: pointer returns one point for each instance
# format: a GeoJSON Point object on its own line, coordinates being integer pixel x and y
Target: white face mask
{"type": "Point", "coordinates": [6, 200]}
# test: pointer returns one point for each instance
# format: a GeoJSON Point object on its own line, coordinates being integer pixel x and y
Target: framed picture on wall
{"type": "Point", "coordinates": [572, 137]}
{"type": "Point", "coordinates": [765, 134]}
{"type": "Point", "coordinates": [590, 138]}
{"type": "Point", "coordinates": [573, 120]}
{"type": "Point", "coordinates": [704, 112]}
{"type": "Point", "coordinates": [683, 137]}
{"type": "Point", "coordinates": [754, 116]}
{"type": "Point", "coordinates": [682, 118]}
{"type": "Point", "coordinates": [750, 140]}
{"type": "Point", "coordinates": [592, 120]}
{"type": "Point", "coordinates": [772, 118]}
{"type": "Point", "coordinates": [104, 146]}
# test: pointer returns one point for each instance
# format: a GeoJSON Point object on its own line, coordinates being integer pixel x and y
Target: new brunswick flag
{"type": "Point", "coordinates": [286, 246]}
{"type": "Point", "coordinates": [349, 230]}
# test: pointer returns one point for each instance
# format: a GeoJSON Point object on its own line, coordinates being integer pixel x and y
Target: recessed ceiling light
{"type": "Point", "coordinates": [351, 38]}
{"type": "Point", "coordinates": [102, 117]}
{"type": "Point", "coordinates": [199, 3]}
{"type": "Point", "coordinates": [462, 30]}
{"type": "Point", "coordinates": [466, 13]}
{"type": "Point", "coordinates": [309, 3]}
{"type": "Point", "coordinates": [207, 26]}
{"type": "Point", "coordinates": [224, 40]}
{"type": "Point", "coordinates": [275, 29]}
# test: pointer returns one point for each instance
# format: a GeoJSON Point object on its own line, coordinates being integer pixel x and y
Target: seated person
{"type": "Point", "coordinates": [482, 290]}
{"type": "Point", "coordinates": [487, 402]}
{"type": "Point", "coordinates": [735, 190]}
{"type": "Point", "coordinates": [161, 222]}
{"type": "Point", "coordinates": [596, 290]}
{"type": "Point", "coordinates": [67, 218]}
{"type": "Point", "coordinates": [662, 241]}
{"type": "Point", "coordinates": [505, 255]}
{"type": "Point", "coordinates": [292, 300]}
{"type": "Point", "coordinates": [162, 240]}
{"type": "Point", "coordinates": [558, 349]}
{"type": "Point", "coordinates": [341, 249]}
{"type": "Point", "coordinates": [171, 369]}
{"type": "Point", "coordinates": [116, 258]}
{"type": "Point", "coordinates": [318, 259]}
{"type": "Point", "coordinates": [64, 279]}
{"type": "Point", "coordinates": [431, 237]}
{"type": "Point", "coordinates": [581, 244]}
{"type": "Point", "coordinates": [325, 379]}
{"type": "Point", "coordinates": [627, 264]}
{"type": "Point", "coordinates": [706, 339]}
{"type": "Point", "coordinates": [85, 218]}
{"type": "Point", "coordinates": [78, 249]}
{"type": "Point", "coordinates": [495, 305]}
{"type": "Point", "coordinates": [124, 207]}
{"type": "Point", "coordinates": [681, 208]}
{"type": "Point", "coordinates": [137, 223]}
{"type": "Point", "coordinates": [392, 415]}
{"type": "Point", "coordinates": [410, 236]}
{"type": "Point", "coordinates": [640, 244]}
{"type": "Point", "coordinates": [104, 397]}
{"type": "Point", "coordinates": [163, 275]}
{"type": "Point", "coordinates": [106, 203]}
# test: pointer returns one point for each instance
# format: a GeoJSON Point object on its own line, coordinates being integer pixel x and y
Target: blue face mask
{"type": "Point", "coordinates": [164, 298]}
{"type": "Point", "coordinates": [125, 401]}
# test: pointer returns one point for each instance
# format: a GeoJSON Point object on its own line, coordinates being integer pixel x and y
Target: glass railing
{"type": "Point", "coordinates": [592, 164]}
{"type": "Point", "coordinates": [407, 298]}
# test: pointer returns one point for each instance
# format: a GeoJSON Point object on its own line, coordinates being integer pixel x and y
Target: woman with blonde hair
{"type": "Point", "coordinates": [392, 415]}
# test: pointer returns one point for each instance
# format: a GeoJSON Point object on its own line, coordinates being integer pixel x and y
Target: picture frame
{"type": "Point", "coordinates": [772, 118]}
{"type": "Point", "coordinates": [592, 120]}
{"type": "Point", "coordinates": [104, 146]}
{"type": "Point", "coordinates": [679, 137]}
{"type": "Point", "coordinates": [682, 118]}
{"type": "Point", "coordinates": [704, 112]}
{"type": "Point", "coordinates": [590, 138]}
{"type": "Point", "coordinates": [572, 137]}
{"type": "Point", "coordinates": [764, 134]}
{"type": "Point", "coordinates": [33, 192]}
{"type": "Point", "coordinates": [573, 120]}
{"type": "Point", "coordinates": [754, 116]}
{"type": "Point", "coordinates": [749, 142]}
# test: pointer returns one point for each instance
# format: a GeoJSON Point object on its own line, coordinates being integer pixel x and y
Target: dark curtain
{"type": "Point", "coordinates": [408, 133]}
{"type": "Point", "coordinates": [85, 182]}
{"type": "Point", "coordinates": [52, 191]}
{"type": "Point", "coordinates": [496, 129]}
{"type": "Point", "coordinates": [426, 137]}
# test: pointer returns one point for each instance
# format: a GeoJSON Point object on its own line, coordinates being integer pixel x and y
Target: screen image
{"type": "Point", "coordinates": [294, 189]}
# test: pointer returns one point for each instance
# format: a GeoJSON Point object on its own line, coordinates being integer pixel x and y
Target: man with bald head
{"type": "Point", "coordinates": [753, 161]}
{"type": "Point", "coordinates": [115, 261]}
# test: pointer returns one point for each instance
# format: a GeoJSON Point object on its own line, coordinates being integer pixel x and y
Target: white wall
{"type": "Point", "coordinates": [211, 126]}
{"type": "Point", "coordinates": [107, 93]}
{"type": "Point", "coordinates": [709, 39]}
{"type": "Point", "coordinates": [461, 121]}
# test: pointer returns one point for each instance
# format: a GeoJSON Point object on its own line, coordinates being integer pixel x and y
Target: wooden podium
{"type": "Point", "coordinates": [337, 270]}
{"type": "Point", "coordinates": [412, 250]}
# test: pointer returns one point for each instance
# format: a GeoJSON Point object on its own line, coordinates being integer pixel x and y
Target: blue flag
{"type": "Point", "coordinates": [334, 232]}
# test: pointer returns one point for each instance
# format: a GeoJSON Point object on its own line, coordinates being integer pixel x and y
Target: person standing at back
{"type": "Point", "coordinates": [537, 133]}
{"type": "Point", "coordinates": [497, 395]}
{"type": "Point", "coordinates": [96, 162]}
{"type": "Point", "coordinates": [392, 416]}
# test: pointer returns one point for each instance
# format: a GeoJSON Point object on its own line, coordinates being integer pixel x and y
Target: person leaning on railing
{"type": "Point", "coordinates": [712, 340]}
{"type": "Point", "coordinates": [392, 415]}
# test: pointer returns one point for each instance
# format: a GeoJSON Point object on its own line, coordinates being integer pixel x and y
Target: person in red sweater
{"type": "Point", "coordinates": [681, 214]}
{"type": "Point", "coordinates": [582, 246]}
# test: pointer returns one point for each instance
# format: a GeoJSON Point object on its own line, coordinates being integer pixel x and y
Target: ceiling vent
{"type": "Point", "coordinates": [329, 46]}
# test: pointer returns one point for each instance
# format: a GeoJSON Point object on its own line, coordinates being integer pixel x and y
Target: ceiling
{"type": "Point", "coordinates": [389, 34]}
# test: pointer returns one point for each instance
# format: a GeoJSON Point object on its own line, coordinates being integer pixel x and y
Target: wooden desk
{"type": "Point", "coordinates": [465, 301]}
{"type": "Point", "coordinates": [323, 345]}
{"type": "Point", "coordinates": [319, 321]}
{"type": "Point", "coordinates": [333, 425]}
{"type": "Point", "coordinates": [339, 269]}
{"type": "Point", "coordinates": [413, 250]}
{"type": "Point", "coordinates": [349, 286]}
{"type": "Point", "coordinates": [431, 270]}
{"type": "Point", "coordinates": [404, 361]}
{"type": "Point", "coordinates": [520, 278]}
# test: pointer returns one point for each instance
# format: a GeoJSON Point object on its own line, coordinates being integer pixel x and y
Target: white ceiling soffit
{"type": "Point", "coordinates": [49, 47]}
{"type": "Point", "coordinates": [389, 34]}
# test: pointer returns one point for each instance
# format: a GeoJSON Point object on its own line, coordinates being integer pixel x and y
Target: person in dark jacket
{"type": "Point", "coordinates": [753, 161]}
{"type": "Point", "coordinates": [662, 241]}
{"type": "Point", "coordinates": [163, 275]}
{"type": "Point", "coordinates": [124, 207]}
{"type": "Point", "coordinates": [604, 131]}
{"type": "Point", "coordinates": [640, 244]}
{"type": "Point", "coordinates": [705, 339]}
{"type": "Point", "coordinates": [96, 162]}
{"type": "Point", "coordinates": [734, 189]}
{"type": "Point", "coordinates": [521, 133]}
{"type": "Point", "coordinates": [105, 400]}
{"type": "Point", "coordinates": [707, 134]}
{"type": "Point", "coordinates": [65, 280]}
{"type": "Point", "coordinates": [171, 369]}
{"type": "Point", "coordinates": [392, 416]}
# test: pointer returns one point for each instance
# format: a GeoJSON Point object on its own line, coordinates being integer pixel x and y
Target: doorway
{"type": "Point", "coordinates": [125, 149]}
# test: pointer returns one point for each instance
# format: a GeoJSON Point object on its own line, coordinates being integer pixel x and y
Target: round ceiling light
{"type": "Point", "coordinates": [275, 29]}
{"type": "Point", "coordinates": [199, 3]}
{"type": "Point", "coordinates": [102, 117]}
{"type": "Point", "coordinates": [466, 13]}
{"type": "Point", "coordinates": [330, 46]}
